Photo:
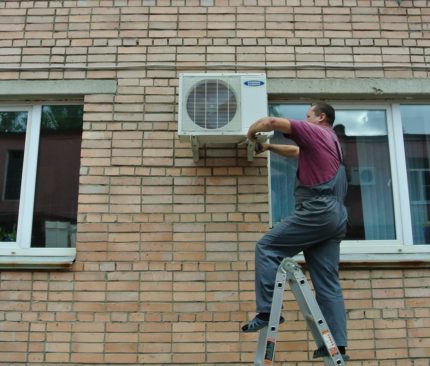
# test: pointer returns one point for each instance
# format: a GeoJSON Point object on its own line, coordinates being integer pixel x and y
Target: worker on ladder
{"type": "Point", "coordinates": [318, 223]}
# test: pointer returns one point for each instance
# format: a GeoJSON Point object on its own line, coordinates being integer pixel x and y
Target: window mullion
{"type": "Point", "coordinates": [28, 185]}
{"type": "Point", "coordinates": [399, 162]}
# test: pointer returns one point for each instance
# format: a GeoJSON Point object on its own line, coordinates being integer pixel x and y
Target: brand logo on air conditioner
{"type": "Point", "coordinates": [254, 82]}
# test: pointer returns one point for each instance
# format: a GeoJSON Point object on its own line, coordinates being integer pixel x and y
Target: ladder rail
{"type": "Point", "coordinates": [267, 338]}
{"type": "Point", "coordinates": [314, 317]}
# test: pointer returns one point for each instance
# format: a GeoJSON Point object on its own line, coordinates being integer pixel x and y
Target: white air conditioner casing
{"type": "Point", "coordinates": [220, 107]}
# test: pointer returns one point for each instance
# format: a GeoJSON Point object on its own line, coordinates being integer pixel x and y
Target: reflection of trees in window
{"type": "Point", "coordinates": [62, 117]}
{"type": "Point", "coordinates": [274, 111]}
{"type": "Point", "coordinates": [13, 174]}
{"type": "Point", "coordinates": [13, 122]}
{"type": "Point", "coordinates": [13, 125]}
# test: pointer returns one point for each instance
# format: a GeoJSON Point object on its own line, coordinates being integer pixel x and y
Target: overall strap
{"type": "Point", "coordinates": [338, 146]}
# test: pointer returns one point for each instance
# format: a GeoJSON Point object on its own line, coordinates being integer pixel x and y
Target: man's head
{"type": "Point", "coordinates": [321, 113]}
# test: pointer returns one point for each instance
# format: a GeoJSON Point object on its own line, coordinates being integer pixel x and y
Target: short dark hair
{"type": "Point", "coordinates": [327, 109]}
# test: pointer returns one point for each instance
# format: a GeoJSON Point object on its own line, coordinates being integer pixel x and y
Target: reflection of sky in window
{"type": "Point", "coordinates": [356, 122]}
{"type": "Point", "coordinates": [415, 119]}
{"type": "Point", "coordinates": [362, 122]}
{"type": "Point", "coordinates": [293, 111]}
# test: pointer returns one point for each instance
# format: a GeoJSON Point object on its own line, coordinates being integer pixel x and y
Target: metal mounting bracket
{"type": "Point", "coordinates": [250, 150]}
{"type": "Point", "coordinates": [195, 146]}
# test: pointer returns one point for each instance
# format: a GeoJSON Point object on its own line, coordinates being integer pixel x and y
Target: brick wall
{"type": "Point", "coordinates": [164, 269]}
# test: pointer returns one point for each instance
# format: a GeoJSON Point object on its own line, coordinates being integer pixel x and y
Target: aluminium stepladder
{"type": "Point", "coordinates": [290, 271]}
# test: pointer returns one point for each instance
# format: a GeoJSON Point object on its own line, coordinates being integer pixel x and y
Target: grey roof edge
{"type": "Point", "coordinates": [56, 87]}
{"type": "Point", "coordinates": [371, 87]}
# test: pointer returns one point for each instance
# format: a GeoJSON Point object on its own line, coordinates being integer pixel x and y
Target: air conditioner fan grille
{"type": "Point", "coordinates": [211, 104]}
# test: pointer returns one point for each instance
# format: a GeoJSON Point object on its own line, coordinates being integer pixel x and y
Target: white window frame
{"type": "Point", "coordinates": [20, 253]}
{"type": "Point", "coordinates": [401, 248]}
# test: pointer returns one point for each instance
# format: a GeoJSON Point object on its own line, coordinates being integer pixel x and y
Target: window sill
{"type": "Point", "coordinates": [357, 255]}
{"type": "Point", "coordinates": [386, 260]}
{"type": "Point", "coordinates": [37, 258]}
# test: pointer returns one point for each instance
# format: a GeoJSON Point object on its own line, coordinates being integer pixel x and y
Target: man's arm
{"type": "Point", "coordinates": [289, 151]}
{"type": "Point", "coordinates": [267, 124]}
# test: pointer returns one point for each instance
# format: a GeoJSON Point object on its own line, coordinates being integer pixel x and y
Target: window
{"type": "Point", "coordinates": [387, 152]}
{"type": "Point", "coordinates": [39, 177]}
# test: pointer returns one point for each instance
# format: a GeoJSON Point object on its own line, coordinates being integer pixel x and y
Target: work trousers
{"type": "Point", "coordinates": [316, 228]}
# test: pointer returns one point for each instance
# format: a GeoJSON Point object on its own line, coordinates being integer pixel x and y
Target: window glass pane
{"type": "Point", "coordinates": [12, 141]}
{"type": "Point", "coordinates": [364, 140]}
{"type": "Point", "coordinates": [12, 184]}
{"type": "Point", "coordinates": [416, 136]}
{"type": "Point", "coordinates": [56, 195]}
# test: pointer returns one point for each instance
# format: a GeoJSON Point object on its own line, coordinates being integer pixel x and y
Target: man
{"type": "Point", "coordinates": [318, 223]}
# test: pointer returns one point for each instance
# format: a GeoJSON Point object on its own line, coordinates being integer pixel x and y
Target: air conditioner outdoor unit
{"type": "Point", "coordinates": [219, 107]}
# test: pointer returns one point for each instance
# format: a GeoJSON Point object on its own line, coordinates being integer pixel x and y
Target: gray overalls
{"type": "Point", "coordinates": [316, 227]}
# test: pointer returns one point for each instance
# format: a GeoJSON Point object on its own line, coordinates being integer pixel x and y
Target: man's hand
{"type": "Point", "coordinates": [260, 147]}
{"type": "Point", "coordinates": [258, 126]}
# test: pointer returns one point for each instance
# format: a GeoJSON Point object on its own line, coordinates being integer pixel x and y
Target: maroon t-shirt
{"type": "Point", "coordinates": [319, 157]}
